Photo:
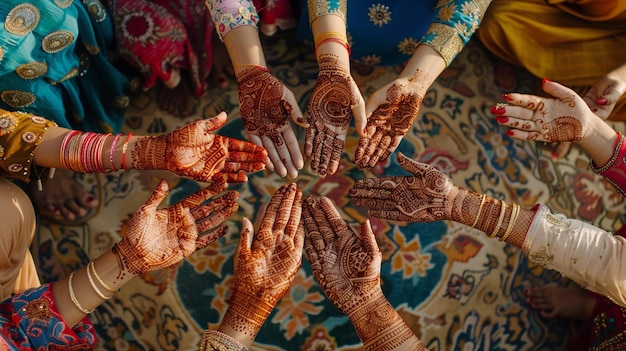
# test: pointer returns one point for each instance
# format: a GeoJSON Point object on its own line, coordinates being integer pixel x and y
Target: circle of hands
{"type": "Point", "coordinates": [159, 238]}
{"type": "Point", "coordinates": [195, 152]}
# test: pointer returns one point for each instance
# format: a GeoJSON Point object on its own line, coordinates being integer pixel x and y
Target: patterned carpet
{"type": "Point", "coordinates": [457, 289]}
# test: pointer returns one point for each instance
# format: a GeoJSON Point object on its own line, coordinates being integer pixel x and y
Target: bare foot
{"type": "Point", "coordinates": [62, 198]}
{"type": "Point", "coordinates": [561, 302]}
{"type": "Point", "coordinates": [221, 67]}
{"type": "Point", "coordinates": [179, 100]}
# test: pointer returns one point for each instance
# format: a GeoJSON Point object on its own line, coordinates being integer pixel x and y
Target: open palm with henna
{"type": "Point", "coordinates": [193, 151]}
{"type": "Point", "coordinates": [344, 263]}
{"type": "Point", "coordinates": [159, 238]}
{"type": "Point", "coordinates": [266, 262]}
{"type": "Point", "coordinates": [266, 106]}
{"type": "Point", "coordinates": [426, 196]}
{"type": "Point", "coordinates": [396, 107]}
{"type": "Point", "coordinates": [329, 113]}
{"type": "Point", "coordinates": [562, 119]}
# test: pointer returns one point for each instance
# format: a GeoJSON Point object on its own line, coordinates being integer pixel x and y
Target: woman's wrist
{"type": "Point", "coordinates": [600, 142]}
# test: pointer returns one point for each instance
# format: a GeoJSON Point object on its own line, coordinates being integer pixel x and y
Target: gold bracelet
{"type": "Point", "coordinates": [328, 35]}
{"type": "Point", "coordinates": [509, 228]}
{"type": "Point", "coordinates": [95, 274]}
{"type": "Point", "coordinates": [93, 284]}
{"type": "Point", "coordinates": [480, 208]}
{"type": "Point", "coordinates": [73, 297]}
{"type": "Point", "coordinates": [500, 219]}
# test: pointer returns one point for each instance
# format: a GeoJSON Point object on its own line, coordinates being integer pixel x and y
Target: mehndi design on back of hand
{"type": "Point", "coordinates": [392, 119]}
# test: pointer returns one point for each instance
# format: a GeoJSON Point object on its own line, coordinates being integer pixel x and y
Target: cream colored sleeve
{"type": "Point", "coordinates": [593, 258]}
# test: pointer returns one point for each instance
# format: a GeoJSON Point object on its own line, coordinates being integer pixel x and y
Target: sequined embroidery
{"type": "Point", "coordinates": [541, 256]}
{"type": "Point", "coordinates": [57, 41]}
{"type": "Point", "coordinates": [38, 309]}
{"type": "Point", "coordinates": [38, 120]}
{"type": "Point", "coordinates": [8, 123]}
{"type": "Point", "coordinates": [32, 70]}
{"type": "Point", "coordinates": [16, 167]}
{"type": "Point", "coordinates": [379, 14]}
{"type": "Point", "coordinates": [96, 10]}
{"type": "Point", "coordinates": [22, 19]}
{"type": "Point", "coordinates": [63, 3]}
{"type": "Point", "coordinates": [29, 137]}
{"type": "Point", "coordinates": [1, 151]}
{"type": "Point", "coordinates": [17, 98]}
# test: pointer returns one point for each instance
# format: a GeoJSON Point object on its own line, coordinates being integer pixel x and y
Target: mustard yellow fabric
{"type": "Point", "coordinates": [574, 42]}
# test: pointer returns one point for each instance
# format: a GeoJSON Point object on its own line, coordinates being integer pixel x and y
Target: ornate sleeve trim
{"type": "Point", "coordinates": [20, 134]}
{"type": "Point", "coordinates": [213, 340]}
{"type": "Point", "coordinates": [230, 14]}
{"type": "Point", "coordinates": [535, 227]}
{"type": "Point", "coordinates": [320, 8]}
{"type": "Point", "coordinates": [453, 24]}
{"type": "Point", "coordinates": [614, 171]}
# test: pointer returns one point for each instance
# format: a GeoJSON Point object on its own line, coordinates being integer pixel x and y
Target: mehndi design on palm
{"type": "Point", "coordinates": [158, 238]}
{"type": "Point", "coordinates": [194, 151]}
{"type": "Point", "coordinates": [545, 119]}
{"type": "Point", "coordinates": [345, 264]}
{"type": "Point", "coordinates": [397, 106]}
{"type": "Point", "coordinates": [266, 262]}
{"type": "Point", "coordinates": [426, 196]}
{"type": "Point", "coordinates": [265, 106]}
{"type": "Point", "coordinates": [329, 112]}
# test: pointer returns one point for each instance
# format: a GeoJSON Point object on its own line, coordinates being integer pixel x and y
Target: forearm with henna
{"type": "Point", "coordinates": [381, 328]}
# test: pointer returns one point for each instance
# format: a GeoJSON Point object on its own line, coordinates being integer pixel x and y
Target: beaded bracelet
{"type": "Point", "coordinates": [95, 287]}
{"type": "Point", "coordinates": [111, 152]}
{"type": "Point", "coordinates": [92, 266]}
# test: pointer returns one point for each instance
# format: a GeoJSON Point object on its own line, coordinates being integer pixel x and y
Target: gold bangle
{"type": "Point", "coordinates": [500, 219]}
{"type": "Point", "coordinates": [95, 274]}
{"type": "Point", "coordinates": [480, 208]}
{"type": "Point", "coordinates": [509, 228]}
{"type": "Point", "coordinates": [328, 35]}
{"type": "Point", "coordinates": [73, 297]}
{"type": "Point", "coordinates": [93, 284]}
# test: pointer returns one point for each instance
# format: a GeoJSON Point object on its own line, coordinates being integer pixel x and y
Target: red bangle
{"type": "Point", "coordinates": [336, 40]}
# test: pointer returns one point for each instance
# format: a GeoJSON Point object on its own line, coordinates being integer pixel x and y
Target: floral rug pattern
{"type": "Point", "coordinates": [456, 288]}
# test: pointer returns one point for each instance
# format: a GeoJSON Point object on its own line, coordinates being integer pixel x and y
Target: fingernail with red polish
{"type": "Point", "coordinates": [509, 132]}
{"type": "Point", "coordinates": [554, 155]}
{"type": "Point", "coordinates": [602, 101]}
{"type": "Point", "coordinates": [544, 81]}
{"type": "Point", "coordinates": [502, 119]}
{"type": "Point", "coordinates": [507, 97]}
{"type": "Point", "coordinates": [497, 110]}
{"type": "Point", "coordinates": [90, 198]}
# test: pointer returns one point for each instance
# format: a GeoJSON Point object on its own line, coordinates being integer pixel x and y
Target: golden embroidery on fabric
{"type": "Point", "coordinates": [1, 53]}
{"type": "Point", "coordinates": [17, 98]}
{"type": "Point", "coordinates": [71, 74]}
{"type": "Point", "coordinates": [16, 167]}
{"type": "Point", "coordinates": [96, 10]}
{"type": "Point", "coordinates": [8, 123]}
{"type": "Point", "coordinates": [379, 14]}
{"type": "Point", "coordinates": [38, 309]}
{"type": "Point", "coordinates": [22, 19]}
{"type": "Point", "coordinates": [57, 41]}
{"type": "Point", "coordinates": [32, 70]}
{"type": "Point", "coordinates": [408, 46]}
{"type": "Point", "coordinates": [1, 151]}
{"type": "Point", "coordinates": [63, 3]}
{"type": "Point", "coordinates": [541, 256]}
{"type": "Point", "coordinates": [92, 49]}
{"type": "Point", "coordinates": [29, 137]}
{"type": "Point", "coordinates": [122, 101]}
{"type": "Point", "coordinates": [38, 120]}
{"type": "Point", "coordinates": [556, 221]}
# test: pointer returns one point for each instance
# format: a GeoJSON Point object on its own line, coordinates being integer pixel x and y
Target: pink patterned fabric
{"type": "Point", "coordinates": [615, 170]}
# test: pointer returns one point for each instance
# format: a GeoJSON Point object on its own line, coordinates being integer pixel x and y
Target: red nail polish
{"type": "Point", "coordinates": [544, 81]}
{"type": "Point", "coordinates": [554, 155]}
{"type": "Point", "coordinates": [502, 119]}
{"type": "Point", "coordinates": [497, 110]}
{"type": "Point", "coordinates": [602, 101]}
{"type": "Point", "coordinates": [509, 132]}
{"type": "Point", "coordinates": [507, 97]}
{"type": "Point", "coordinates": [364, 130]}
{"type": "Point", "coordinates": [90, 198]}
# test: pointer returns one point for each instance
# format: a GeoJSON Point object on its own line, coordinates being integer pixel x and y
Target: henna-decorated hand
{"type": "Point", "coordinates": [566, 118]}
{"type": "Point", "coordinates": [604, 94]}
{"type": "Point", "coordinates": [344, 263]}
{"type": "Point", "coordinates": [265, 263]}
{"type": "Point", "coordinates": [266, 105]}
{"type": "Point", "coordinates": [194, 151]}
{"type": "Point", "coordinates": [391, 110]}
{"type": "Point", "coordinates": [426, 196]}
{"type": "Point", "coordinates": [159, 238]}
{"type": "Point", "coordinates": [335, 99]}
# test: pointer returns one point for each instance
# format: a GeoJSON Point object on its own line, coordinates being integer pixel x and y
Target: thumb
{"type": "Point", "coordinates": [410, 165]}
{"type": "Point", "coordinates": [158, 195]}
{"type": "Point", "coordinates": [360, 117]}
{"type": "Point", "coordinates": [367, 237]}
{"type": "Point", "coordinates": [557, 90]}
{"type": "Point", "coordinates": [217, 121]}
{"type": "Point", "coordinates": [245, 240]}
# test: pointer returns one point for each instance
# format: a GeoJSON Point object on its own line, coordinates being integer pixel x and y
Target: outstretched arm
{"type": "Point", "coordinates": [347, 267]}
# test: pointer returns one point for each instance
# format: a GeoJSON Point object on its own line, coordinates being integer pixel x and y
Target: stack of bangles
{"type": "Point", "coordinates": [332, 36]}
{"type": "Point", "coordinates": [83, 152]}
